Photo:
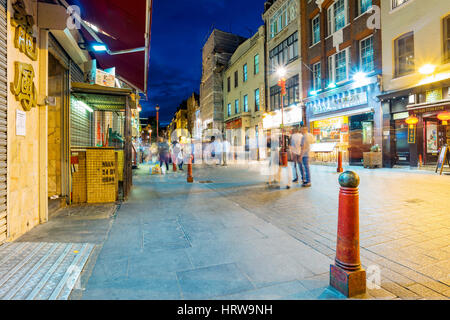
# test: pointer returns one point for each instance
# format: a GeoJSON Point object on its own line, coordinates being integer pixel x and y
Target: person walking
{"type": "Point", "coordinates": [226, 150]}
{"type": "Point", "coordinates": [163, 151]}
{"type": "Point", "coordinates": [218, 151]}
{"type": "Point", "coordinates": [307, 140]}
{"type": "Point", "coordinates": [295, 149]}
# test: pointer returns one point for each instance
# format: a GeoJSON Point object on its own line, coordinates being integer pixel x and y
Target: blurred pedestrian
{"type": "Point", "coordinates": [307, 140]}
{"type": "Point", "coordinates": [226, 150]}
{"type": "Point", "coordinates": [295, 149]}
{"type": "Point", "coordinates": [163, 151]}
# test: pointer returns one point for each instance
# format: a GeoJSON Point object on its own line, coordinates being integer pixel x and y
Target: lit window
{"type": "Point", "coordinates": [317, 78]}
{"type": "Point", "coordinates": [246, 103]}
{"type": "Point", "coordinates": [284, 16]}
{"type": "Point", "coordinates": [338, 67]}
{"type": "Point", "coordinates": [229, 109]}
{"type": "Point", "coordinates": [404, 54]}
{"type": "Point", "coordinates": [256, 69]}
{"type": "Point", "coordinates": [398, 3]}
{"type": "Point", "coordinates": [315, 24]}
{"type": "Point", "coordinates": [364, 6]}
{"type": "Point", "coordinates": [366, 51]}
{"type": "Point", "coordinates": [245, 69]}
{"type": "Point", "coordinates": [337, 16]}
{"type": "Point", "coordinates": [236, 106]}
{"type": "Point", "coordinates": [257, 105]}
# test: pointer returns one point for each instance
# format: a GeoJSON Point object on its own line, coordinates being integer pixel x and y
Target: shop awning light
{"type": "Point", "coordinates": [360, 77]}
{"type": "Point", "coordinates": [427, 69]}
{"type": "Point", "coordinates": [84, 105]}
{"type": "Point", "coordinates": [99, 47]}
{"type": "Point", "coordinates": [444, 117]}
{"type": "Point", "coordinates": [332, 85]}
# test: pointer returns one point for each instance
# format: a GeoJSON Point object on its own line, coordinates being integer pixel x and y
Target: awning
{"type": "Point", "coordinates": [128, 22]}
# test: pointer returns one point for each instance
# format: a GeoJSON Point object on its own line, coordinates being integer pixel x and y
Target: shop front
{"type": "Point", "coordinates": [346, 121]}
{"type": "Point", "coordinates": [101, 148]}
{"type": "Point", "coordinates": [432, 132]}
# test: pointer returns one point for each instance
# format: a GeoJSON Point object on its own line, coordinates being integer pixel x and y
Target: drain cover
{"type": "Point", "coordinates": [206, 181]}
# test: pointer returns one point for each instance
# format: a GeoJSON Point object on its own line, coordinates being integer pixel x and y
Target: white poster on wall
{"type": "Point", "coordinates": [21, 123]}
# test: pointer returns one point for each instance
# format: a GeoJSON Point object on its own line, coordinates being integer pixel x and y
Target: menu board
{"type": "Point", "coordinates": [443, 157]}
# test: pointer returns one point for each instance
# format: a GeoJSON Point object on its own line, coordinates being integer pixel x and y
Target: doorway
{"type": "Point", "coordinates": [58, 144]}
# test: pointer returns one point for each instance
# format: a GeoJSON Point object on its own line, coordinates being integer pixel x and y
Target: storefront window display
{"type": "Point", "coordinates": [331, 135]}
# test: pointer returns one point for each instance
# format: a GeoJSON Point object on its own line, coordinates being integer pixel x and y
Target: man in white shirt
{"type": "Point", "coordinates": [307, 140]}
{"type": "Point", "coordinates": [295, 148]}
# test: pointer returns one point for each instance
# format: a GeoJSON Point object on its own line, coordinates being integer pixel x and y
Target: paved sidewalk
{"type": "Point", "coordinates": [228, 237]}
{"type": "Point", "coordinates": [174, 240]}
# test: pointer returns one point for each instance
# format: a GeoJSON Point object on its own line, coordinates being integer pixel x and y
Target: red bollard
{"type": "Point", "coordinates": [339, 168]}
{"type": "Point", "coordinates": [347, 275]}
{"type": "Point", "coordinates": [284, 159]}
{"type": "Point", "coordinates": [420, 161]}
{"type": "Point", "coordinates": [174, 166]}
{"type": "Point", "coordinates": [190, 177]}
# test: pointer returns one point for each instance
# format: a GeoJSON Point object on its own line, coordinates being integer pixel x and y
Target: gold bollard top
{"type": "Point", "coordinates": [349, 179]}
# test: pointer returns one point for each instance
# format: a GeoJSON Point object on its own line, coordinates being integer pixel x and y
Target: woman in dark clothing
{"type": "Point", "coordinates": [163, 150]}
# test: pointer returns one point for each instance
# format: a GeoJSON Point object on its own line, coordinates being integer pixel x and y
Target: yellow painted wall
{"type": "Point", "coordinates": [23, 152]}
{"type": "Point", "coordinates": [424, 18]}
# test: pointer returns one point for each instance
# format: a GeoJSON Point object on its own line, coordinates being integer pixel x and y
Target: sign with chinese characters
{"type": "Point", "coordinates": [235, 124]}
{"type": "Point", "coordinates": [108, 172]}
{"type": "Point", "coordinates": [23, 87]}
{"type": "Point", "coordinates": [24, 39]}
{"type": "Point", "coordinates": [339, 102]}
{"type": "Point", "coordinates": [103, 78]}
{"type": "Point", "coordinates": [412, 134]}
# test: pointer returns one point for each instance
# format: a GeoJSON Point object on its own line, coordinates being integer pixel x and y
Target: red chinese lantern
{"type": "Point", "coordinates": [412, 120]}
{"type": "Point", "coordinates": [444, 117]}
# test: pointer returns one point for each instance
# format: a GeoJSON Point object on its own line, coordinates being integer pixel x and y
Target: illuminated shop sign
{"type": "Point", "coordinates": [292, 116]}
{"type": "Point", "coordinates": [338, 102]}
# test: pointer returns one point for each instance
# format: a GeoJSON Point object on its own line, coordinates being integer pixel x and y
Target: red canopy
{"type": "Point", "coordinates": [124, 20]}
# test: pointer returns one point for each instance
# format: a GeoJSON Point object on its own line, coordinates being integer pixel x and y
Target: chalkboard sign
{"type": "Point", "coordinates": [443, 157]}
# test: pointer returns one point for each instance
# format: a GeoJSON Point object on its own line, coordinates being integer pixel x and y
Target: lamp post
{"type": "Point", "coordinates": [282, 83]}
{"type": "Point", "coordinates": [157, 121]}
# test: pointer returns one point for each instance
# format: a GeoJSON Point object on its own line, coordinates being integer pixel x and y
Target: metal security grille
{"type": "Point", "coordinates": [3, 120]}
{"type": "Point", "coordinates": [76, 75]}
{"type": "Point", "coordinates": [58, 51]}
{"type": "Point", "coordinates": [81, 122]}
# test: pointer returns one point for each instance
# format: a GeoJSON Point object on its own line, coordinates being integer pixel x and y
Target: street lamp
{"type": "Point", "coordinates": [157, 121]}
{"type": "Point", "coordinates": [281, 72]}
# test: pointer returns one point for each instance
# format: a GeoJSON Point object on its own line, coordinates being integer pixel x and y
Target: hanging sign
{"type": "Point", "coordinates": [411, 134]}
{"type": "Point", "coordinates": [106, 79]}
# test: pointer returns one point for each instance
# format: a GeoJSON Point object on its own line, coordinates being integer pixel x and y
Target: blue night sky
{"type": "Point", "coordinates": [179, 30]}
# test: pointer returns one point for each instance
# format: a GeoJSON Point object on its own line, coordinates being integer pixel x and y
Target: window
{"type": "Point", "coordinates": [364, 6]}
{"type": "Point", "coordinates": [315, 29]}
{"type": "Point", "coordinates": [229, 84]}
{"type": "Point", "coordinates": [338, 67]}
{"type": "Point", "coordinates": [404, 54]}
{"type": "Point", "coordinates": [398, 3]}
{"type": "Point", "coordinates": [317, 78]}
{"type": "Point", "coordinates": [246, 103]}
{"type": "Point", "coordinates": [292, 94]}
{"type": "Point", "coordinates": [447, 38]}
{"type": "Point", "coordinates": [284, 16]}
{"type": "Point", "coordinates": [337, 16]}
{"type": "Point", "coordinates": [244, 71]}
{"type": "Point", "coordinates": [236, 79]}
{"type": "Point", "coordinates": [284, 53]}
{"type": "Point", "coordinates": [236, 106]}
{"type": "Point", "coordinates": [257, 105]}
{"type": "Point", "coordinates": [229, 109]}
{"type": "Point", "coordinates": [366, 53]}
{"type": "Point", "coordinates": [256, 64]}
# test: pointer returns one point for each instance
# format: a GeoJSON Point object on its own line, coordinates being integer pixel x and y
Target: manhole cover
{"type": "Point", "coordinates": [206, 181]}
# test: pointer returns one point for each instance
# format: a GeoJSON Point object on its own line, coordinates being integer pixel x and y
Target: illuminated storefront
{"type": "Point", "coordinates": [345, 119]}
